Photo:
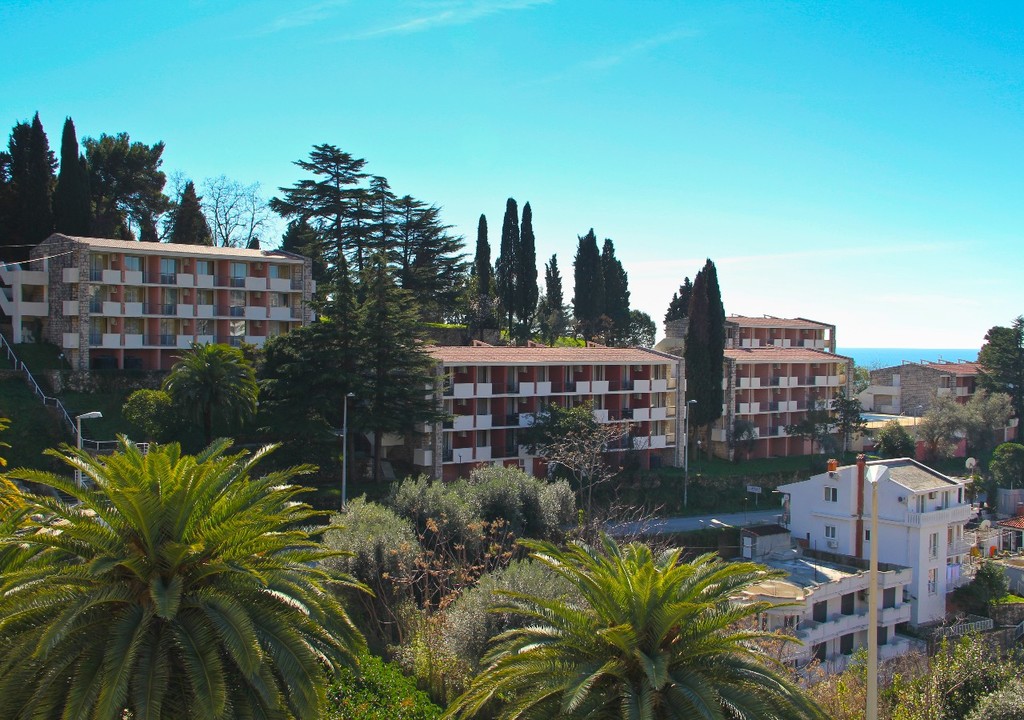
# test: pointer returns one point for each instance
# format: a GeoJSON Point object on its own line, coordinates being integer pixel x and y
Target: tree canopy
{"type": "Point", "coordinates": [127, 187]}
{"type": "Point", "coordinates": [588, 287]}
{"type": "Point", "coordinates": [1002, 363]}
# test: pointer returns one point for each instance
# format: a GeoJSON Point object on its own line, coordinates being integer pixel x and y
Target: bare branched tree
{"type": "Point", "coordinates": [580, 450]}
{"type": "Point", "coordinates": [237, 213]}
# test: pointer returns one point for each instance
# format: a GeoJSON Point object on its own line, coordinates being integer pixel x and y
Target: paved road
{"type": "Point", "coordinates": [686, 524]}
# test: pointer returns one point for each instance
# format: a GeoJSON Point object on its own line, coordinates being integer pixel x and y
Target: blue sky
{"type": "Point", "coordinates": [858, 163]}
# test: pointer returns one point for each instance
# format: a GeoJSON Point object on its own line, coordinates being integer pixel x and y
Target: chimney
{"type": "Point", "coordinates": [859, 542]}
{"type": "Point", "coordinates": [1020, 509]}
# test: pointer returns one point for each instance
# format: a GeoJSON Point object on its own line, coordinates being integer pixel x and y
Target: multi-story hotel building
{"type": "Point", "coordinates": [491, 393]}
{"type": "Point", "coordinates": [775, 371]}
{"type": "Point", "coordinates": [134, 305]}
{"type": "Point", "coordinates": [910, 388]}
{"type": "Point", "coordinates": [921, 516]}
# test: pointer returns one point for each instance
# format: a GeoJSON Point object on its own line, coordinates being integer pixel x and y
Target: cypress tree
{"type": "Point", "coordinates": [505, 268]}
{"type": "Point", "coordinates": [253, 244]}
{"type": "Point", "coordinates": [616, 295]}
{"type": "Point", "coordinates": [37, 191]}
{"type": "Point", "coordinates": [71, 210]}
{"type": "Point", "coordinates": [680, 303]}
{"type": "Point", "coordinates": [13, 172]}
{"type": "Point", "coordinates": [716, 337]}
{"type": "Point", "coordinates": [188, 224]}
{"type": "Point", "coordinates": [705, 348]}
{"type": "Point", "coordinates": [482, 259]}
{"type": "Point", "coordinates": [552, 306]}
{"type": "Point", "coordinates": [588, 286]}
{"type": "Point", "coordinates": [526, 290]}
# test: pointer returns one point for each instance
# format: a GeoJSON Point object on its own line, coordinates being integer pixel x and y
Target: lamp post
{"type": "Point", "coordinates": [686, 453]}
{"type": "Point", "coordinates": [94, 415]}
{"type": "Point", "coordinates": [344, 451]}
{"type": "Point", "coordinates": [872, 689]}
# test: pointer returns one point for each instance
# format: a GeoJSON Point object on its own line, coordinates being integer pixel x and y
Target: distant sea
{"type": "Point", "coordinates": [887, 357]}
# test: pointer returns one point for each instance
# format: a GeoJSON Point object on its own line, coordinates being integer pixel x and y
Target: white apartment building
{"type": "Point", "coordinates": [823, 600]}
{"type": "Point", "coordinates": [921, 516]}
{"type": "Point", "coordinates": [117, 304]}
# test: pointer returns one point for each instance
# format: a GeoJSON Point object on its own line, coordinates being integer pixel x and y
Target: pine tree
{"type": "Point", "coordinates": [13, 173]}
{"type": "Point", "coordinates": [126, 186]}
{"type": "Point", "coordinates": [300, 238]}
{"type": "Point", "coordinates": [588, 287]}
{"type": "Point", "coordinates": [253, 244]}
{"type": "Point", "coordinates": [71, 208]}
{"type": "Point", "coordinates": [616, 295]}
{"type": "Point", "coordinates": [37, 191]}
{"type": "Point", "coordinates": [430, 261]}
{"type": "Point", "coordinates": [394, 366]}
{"type": "Point", "coordinates": [188, 224]}
{"type": "Point", "coordinates": [526, 290]}
{"type": "Point", "coordinates": [382, 216]}
{"type": "Point", "coordinates": [552, 306]}
{"type": "Point", "coordinates": [505, 268]}
{"type": "Point", "coordinates": [680, 303]}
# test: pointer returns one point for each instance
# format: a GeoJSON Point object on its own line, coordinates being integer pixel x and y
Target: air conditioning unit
{"type": "Point", "coordinates": [258, 295]}
{"type": "Point", "coordinates": [776, 366]}
{"type": "Point", "coordinates": [901, 499]}
{"type": "Point", "coordinates": [833, 544]}
{"type": "Point", "coordinates": [259, 266]}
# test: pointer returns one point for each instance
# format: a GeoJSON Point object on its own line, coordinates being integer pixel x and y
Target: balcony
{"type": "Point", "coordinates": [462, 390]}
{"type": "Point", "coordinates": [939, 516]}
{"type": "Point", "coordinates": [132, 277]}
{"type": "Point", "coordinates": [279, 284]}
{"type": "Point", "coordinates": [185, 280]}
{"type": "Point", "coordinates": [280, 313]}
{"type": "Point", "coordinates": [133, 309]}
{"type": "Point", "coordinates": [624, 414]}
{"type": "Point", "coordinates": [204, 311]}
{"type": "Point", "coordinates": [255, 312]}
{"type": "Point", "coordinates": [204, 281]}
{"type": "Point", "coordinates": [659, 385]}
{"type": "Point", "coordinates": [185, 310]}
{"type": "Point", "coordinates": [161, 340]}
{"type": "Point", "coordinates": [642, 386]}
{"type": "Point", "coordinates": [958, 547]}
{"type": "Point", "coordinates": [641, 413]}
{"type": "Point", "coordinates": [132, 340]}
{"type": "Point", "coordinates": [482, 454]}
{"type": "Point", "coordinates": [159, 309]}
{"type": "Point", "coordinates": [599, 387]}
{"type": "Point", "coordinates": [543, 388]}
{"type": "Point", "coordinates": [462, 423]}
{"type": "Point", "coordinates": [255, 283]}
{"type": "Point", "coordinates": [422, 457]}
{"type": "Point", "coordinates": [483, 421]}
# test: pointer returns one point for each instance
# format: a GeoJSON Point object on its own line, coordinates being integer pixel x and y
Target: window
{"type": "Point", "coordinates": [867, 535]}
{"type": "Point", "coordinates": [278, 299]}
{"type": "Point", "coordinates": [133, 326]}
{"type": "Point", "coordinates": [238, 270]}
{"type": "Point", "coordinates": [933, 581]}
{"type": "Point", "coordinates": [830, 532]}
{"type": "Point", "coordinates": [933, 545]}
{"type": "Point", "coordinates": [204, 267]}
{"type": "Point", "coordinates": [133, 262]}
{"type": "Point", "coordinates": [168, 266]}
{"type": "Point", "coordinates": [204, 327]}
{"type": "Point", "coordinates": [204, 297]}
{"type": "Point", "coordinates": [280, 271]}
{"type": "Point", "coordinates": [132, 294]}
{"type": "Point", "coordinates": [831, 494]}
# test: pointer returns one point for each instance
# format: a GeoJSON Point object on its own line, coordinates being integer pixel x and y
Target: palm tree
{"type": "Point", "coordinates": [175, 587]}
{"type": "Point", "coordinates": [650, 637]}
{"type": "Point", "coordinates": [211, 381]}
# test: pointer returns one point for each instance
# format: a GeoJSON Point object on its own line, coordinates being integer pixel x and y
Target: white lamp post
{"type": "Point", "coordinates": [94, 415]}
{"type": "Point", "coordinates": [872, 690]}
{"type": "Point", "coordinates": [344, 452]}
{"type": "Point", "coordinates": [686, 452]}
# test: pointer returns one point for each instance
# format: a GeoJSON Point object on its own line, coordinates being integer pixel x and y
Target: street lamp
{"type": "Point", "coordinates": [872, 690]}
{"type": "Point", "coordinates": [94, 415]}
{"type": "Point", "coordinates": [686, 453]}
{"type": "Point", "coordinates": [344, 452]}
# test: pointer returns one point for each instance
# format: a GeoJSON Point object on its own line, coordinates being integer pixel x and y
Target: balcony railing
{"type": "Point", "coordinates": [161, 340]}
{"type": "Point", "coordinates": [159, 309]}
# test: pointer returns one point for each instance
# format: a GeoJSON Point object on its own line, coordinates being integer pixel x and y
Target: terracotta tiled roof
{"type": "Point", "coordinates": [774, 354]}
{"type": "Point", "coordinates": [173, 249]}
{"type": "Point", "coordinates": [499, 355]}
{"type": "Point", "coordinates": [1014, 523]}
{"type": "Point", "coordinates": [966, 369]}
{"type": "Point", "coordinates": [770, 322]}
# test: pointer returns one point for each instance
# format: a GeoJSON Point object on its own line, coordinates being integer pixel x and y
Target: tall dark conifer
{"type": "Point", "coordinates": [188, 224]}
{"type": "Point", "coordinates": [552, 305]}
{"type": "Point", "coordinates": [704, 352]}
{"type": "Point", "coordinates": [716, 336]}
{"type": "Point", "coordinates": [482, 259]}
{"type": "Point", "coordinates": [13, 173]}
{"type": "Point", "coordinates": [588, 287]}
{"type": "Point", "coordinates": [616, 295]}
{"type": "Point", "coordinates": [37, 191]}
{"type": "Point", "coordinates": [679, 306]}
{"type": "Point", "coordinates": [505, 268]}
{"type": "Point", "coordinates": [526, 290]}
{"type": "Point", "coordinates": [71, 208]}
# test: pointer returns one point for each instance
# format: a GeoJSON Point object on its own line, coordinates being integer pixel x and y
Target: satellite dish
{"type": "Point", "coordinates": [971, 463]}
{"type": "Point", "coordinates": [985, 524]}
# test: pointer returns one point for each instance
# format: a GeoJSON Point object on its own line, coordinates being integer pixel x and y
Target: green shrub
{"type": "Point", "coordinates": [1006, 703]}
{"type": "Point", "coordinates": [532, 507]}
{"type": "Point", "coordinates": [153, 413]}
{"type": "Point", "coordinates": [443, 513]}
{"type": "Point", "coordinates": [378, 692]}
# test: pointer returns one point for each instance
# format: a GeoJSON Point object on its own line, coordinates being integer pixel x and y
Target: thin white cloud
{"type": "Point", "coordinates": [302, 16]}
{"type": "Point", "coordinates": [638, 48]}
{"type": "Point", "coordinates": [454, 12]}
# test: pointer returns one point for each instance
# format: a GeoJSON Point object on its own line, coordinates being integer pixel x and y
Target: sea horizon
{"type": "Point", "coordinates": [888, 357]}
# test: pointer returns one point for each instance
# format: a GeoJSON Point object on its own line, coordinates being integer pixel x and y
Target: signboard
{"type": "Point", "coordinates": [756, 489]}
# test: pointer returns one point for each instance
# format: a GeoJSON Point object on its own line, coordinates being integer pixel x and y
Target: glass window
{"type": "Point", "coordinates": [133, 262]}
{"type": "Point", "coordinates": [204, 297]}
{"type": "Point", "coordinates": [280, 271]}
{"type": "Point", "coordinates": [168, 266]}
{"type": "Point", "coordinates": [830, 532]}
{"type": "Point", "coordinates": [132, 294]}
{"type": "Point", "coordinates": [831, 494]}
{"type": "Point", "coordinates": [237, 328]}
{"type": "Point", "coordinates": [133, 326]}
{"type": "Point", "coordinates": [204, 267]}
{"type": "Point", "coordinates": [204, 327]}
{"type": "Point", "coordinates": [170, 296]}
{"type": "Point", "coordinates": [933, 581]}
{"type": "Point", "coordinates": [237, 298]}
{"type": "Point", "coordinates": [238, 270]}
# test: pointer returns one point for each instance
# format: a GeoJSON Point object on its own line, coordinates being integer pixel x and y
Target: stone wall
{"type": "Point", "coordinates": [102, 381]}
{"type": "Point", "coordinates": [918, 385]}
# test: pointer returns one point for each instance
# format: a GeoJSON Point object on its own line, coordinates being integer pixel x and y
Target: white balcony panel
{"type": "Point", "coordinates": [257, 340]}
{"type": "Point", "coordinates": [939, 516]}
{"type": "Point", "coordinates": [255, 283]}
{"type": "Point", "coordinates": [204, 339]}
{"type": "Point", "coordinates": [422, 457]}
{"type": "Point", "coordinates": [483, 422]}
{"type": "Point", "coordinates": [599, 387]}
{"type": "Point", "coordinates": [111, 277]}
{"type": "Point", "coordinates": [583, 387]}
{"type": "Point", "coordinates": [255, 312]}
{"type": "Point", "coordinates": [744, 382]}
{"type": "Point", "coordinates": [279, 284]}
{"type": "Point", "coordinates": [744, 409]}
{"type": "Point", "coordinates": [132, 277]}
{"type": "Point", "coordinates": [111, 340]}
{"type": "Point", "coordinates": [543, 388]}
{"type": "Point", "coordinates": [484, 389]}
{"type": "Point", "coordinates": [184, 341]}
{"type": "Point", "coordinates": [34, 277]}
{"type": "Point", "coordinates": [483, 454]}
{"type": "Point", "coordinates": [70, 275]}
{"type": "Point", "coordinates": [111, 308]}
{"type": "Point", "coordinates": [960, 391]}
{"type": "Point", "coordinates": [642, 386]}
{"type": "Point", "coordinates": [658, 441]}
{"type": "Point", "coordinates": [601, 415]}
{"type": "Point", "coordinates": [70, 340]}
{"type": "Point", "coordinates": [943, 392]}
{"type": "Point", "coordinates": [186, 280]}
{"type": "Point", "coordinates": [71, 307]}
{"type": "Point", "coordinates": [462, 390]}
{"type": "Point", "coordinates": [526, 419]}
{"type": "Point", "coordinates": [133, 341]}
{"type": "Point", "coordinates": [280, 313]}
{"type": "Point", "coordinates": [462, 455]}
{"type": "Point", "coordinates": [659, 413]}
{"type": "Point", "coordinates": [527, 389]}
{"type": "Point", "coordinates": [755, 407]}
{"type": "Point", "coordinates": [641, 414]}
{"type": "Point", "coordinates": [462, 422]}
{"type": "Point", "coordinates": [204, 281]}
{"type": "Point", "coordinates": [186, 311]}
{"type": "Point", "coordinates": [204, 311]}
{"type": "Point", "coordinates": [133, 309]}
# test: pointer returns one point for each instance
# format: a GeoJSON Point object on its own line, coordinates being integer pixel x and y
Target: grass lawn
{"type": "Point", "coordinates": [33, 427]}
{"type": "Point", "coordinates": [40, 356]}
